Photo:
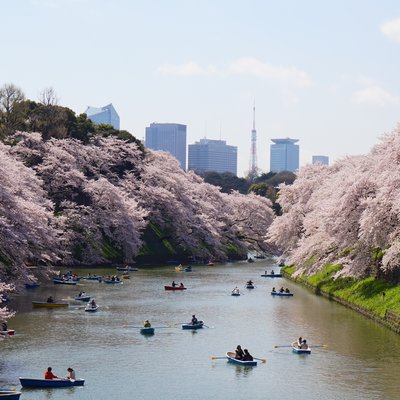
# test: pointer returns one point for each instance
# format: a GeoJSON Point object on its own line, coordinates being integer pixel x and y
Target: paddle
{"type": "Point", "coordinates": [311, 345]}
{"type": "Point", "coordinates": [210, 327]}
{"type": "Point", "coordinates": [263, 360]}
{"type": "Point", "coordinates": [217, 358]}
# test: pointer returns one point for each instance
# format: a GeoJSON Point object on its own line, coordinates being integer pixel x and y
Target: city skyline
{"type": "Point", "coordinates": [289, 57]}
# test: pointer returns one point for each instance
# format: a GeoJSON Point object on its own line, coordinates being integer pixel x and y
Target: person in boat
{"type": "Point", "coordinates": [93, 304]}
{"type": "Point", "coordinates": [81, 294]}
{"type": "Point", "coordinates": [117, 278]}
{"type": "Point", "coordinates": [281, 290]}
{"type": "Point", "coordinates": [49, 374]}
{"type": "Point", "coordinates": [299, 341]}
{"type": "Point", "coordinates": [273, 290]}
{"type": "Point", "coordinates": [173, 284]}
{"type": "Point", "coordinates": [181, 285]}
{"type": "Point", "coordinates": [250, 282]}
{"type": "Point", "coordinates": [272, 272]}
{"type": "Point", "coordinates": [304, 345]}
{"type": "Point", "coordinates": [71, 374]}
{"type": "Point", "coordinates": [247, 356]}
{"type": "Point", "coordinates": [146, 324]}
{"type": "Point", "coordinates": [113, 278]}
{"type": "Point", "coordinates": [236, 290]}
{"type": "Point", "coordinates": [4, 326]}
{"type": "Point", "coordinates": [194, 320]}
{"type": "Point", "coordinates": [50, 299]}
{"type": "Point", "coordinates": [287, 290]}
{"type": "Point", "coordinates": [239, 353]}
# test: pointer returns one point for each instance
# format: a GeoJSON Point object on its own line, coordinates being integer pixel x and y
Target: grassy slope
{"type": "Point", "coordinates": [370, 294]}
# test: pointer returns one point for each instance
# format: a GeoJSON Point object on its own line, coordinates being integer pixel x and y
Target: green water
{"type": "Point", "coordinates": [360, 360]}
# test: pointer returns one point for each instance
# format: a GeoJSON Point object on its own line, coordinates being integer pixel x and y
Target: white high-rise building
{"type": "Point", "coordinates": [284, 155]}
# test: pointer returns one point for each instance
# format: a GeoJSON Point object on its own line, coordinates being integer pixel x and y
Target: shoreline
{"type": "Point", "coordinates": [389, 319]}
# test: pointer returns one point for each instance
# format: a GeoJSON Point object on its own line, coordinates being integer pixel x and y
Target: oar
{"type": "Point", "coordinates": [263, 360]}
{"type": "Point", "coordinates": [210, 327]}
{"type": "Point", "coordinates": [282, 346]}
{"type": "Point", "coordinates": [217, 358]}
{"type": "Point", "coordinates": [311, 345]}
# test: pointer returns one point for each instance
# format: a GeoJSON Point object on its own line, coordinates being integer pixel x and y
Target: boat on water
{"type": "Point", "coordinates": [210, 264]}
{"type": "Point", "coordinates": [235, 292]}
{"type": "Point", "coordinates": [250, 260]}
{"type": "Point", "coordinates": [272, 275]}
{"type": "Point", "coordinates": [90, 308]}
{"type": "Point", "coordinates": [198, 325]}
{"type": "Point", "coordinates": [296, 349]}
{"type": "Point", "coordinates": [38, 304]}
{"type": "Point", "coordinates": [49, 383]}
{"type": "Point", "coordinates": [179, 268]}
{"type": "Point", "coordinates": [9, 394]}
{"type": "Point", "coordinates": [188, 269]}
{"type": "Point", "coordinates": [61, 281]}
{"type": "Point", "coordinates": [175, 288]}
{"type": "Point", "coordinates": [110, 281]}
{"type": "Point", "coordinates": [230, 355]}
{"type": "Point", "coordinates": [283, 294]}
{"type": "Point", "coordinates": [32, 285]}
{"type": "Point", "coordinates": [8, 332]}
{"type": "Point", "coordinates": [250, 286]}
{"type": "Point", "coordinates": [82, 298]}
{"type": "Point", "coordinates": [126, 276]}
{"type": "Point", "coordinates": [147, 331]}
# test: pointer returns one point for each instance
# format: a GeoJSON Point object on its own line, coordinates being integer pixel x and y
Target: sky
{"type": "Point", "coordinates": [323, 72]}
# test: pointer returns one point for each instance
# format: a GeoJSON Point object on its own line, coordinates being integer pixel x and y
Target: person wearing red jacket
{"type": "Point", "coordinates": [49, 374]}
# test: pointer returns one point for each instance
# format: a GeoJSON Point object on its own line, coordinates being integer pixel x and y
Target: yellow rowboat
{"type": "Point", "coordinates": [37, 304]}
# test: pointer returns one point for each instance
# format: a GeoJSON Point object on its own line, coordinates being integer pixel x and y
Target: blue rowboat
{"type": "Point", "coordinates": [91, 309]}
{"type": "Point", "coordinates": [230, 355]}
{"type": "Point", "coordinates": [32, 285]}
{"type": "Point", "coordinates": [281, 294]}
{"type": "Point", "coordinates": [297, 350]}
{"type": "Point", "coordinates": [199, 325]}
{"type": "Point", "coordinates": [147, 331]}
{"type": "Point", "coordinates": [272, 275]}
{"type": "Point", "coordinates": [111, 281]}
{"type": "Point", "coordinates": [249, 286]}
{"type": "Point", "coordinates": [60, 281]}
{"type": "Point", "coordinates": [50, 383]}
{"type": "Point", "coordinates": [188, 269]}
{"type": "Point", "coordinates": [9, 395]}
{"type": "Point", "coordinates": [82, 298]}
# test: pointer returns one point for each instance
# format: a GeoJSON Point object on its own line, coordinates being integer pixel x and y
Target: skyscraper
{"type": "Point", "coordinates": [284, 155]}
{"type": "Point", "coordinates": [212, 156]}
{"type": "Point", "coordinates": [168, 137]}
{"type": "Point", "coordinates": [103, 115]}
{"type": "Point", "coordinates": [323, 160]}
{"type": "Point", "coordinates": [253, 151]}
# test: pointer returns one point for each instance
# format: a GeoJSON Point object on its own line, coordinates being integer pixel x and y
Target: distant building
{"type": "Point", "coordinates": [212, 156]}
{"type": "Point", "coordinates": [323, 160]}
{"type": "Point", "coordinates": [284, 155]}
{"type": "Point", "coordinates": [103, 115]}
{"type": "Point", "coordinates": [168, 137]}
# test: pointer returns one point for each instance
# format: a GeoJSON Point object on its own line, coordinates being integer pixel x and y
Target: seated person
{"type": "Point", "coordinates": [299, 341]}
{"type": "Point", "coordinates": [247, 356]}
{"type": "Point", "coordinates": [304, 345]}
{"type": "Point", "coordinates": [181, 285]}
{"type": "Point", "coordinates": [4, 326]}
{"type": "Point", "coordinates": [49, 374]}
{"type": "Point", "coordinates": [71, 374]}
{"type": "Point", "coordinates": [239, 353]}
{"type": "Point", "coordinates": [250, 282]}
{"type": "Point", "coordinates": [50, 299]}
{"type": "Point", "coordinates": [194, 320]}
{"type": "Point", "coordinates": [273, 290]}
{"type": "Point", "coordinates": [287, 290]}
{"type": "Point", "coordinates": [173, 284]}
{"type": "Point", "coordinates": [93, 304]}
{"type": "Point", "coordinates": [147, 324]}
{"type": "Point", "coordinates": [272, 272]}
{"type": "Point", "coordinates": [281, 290]}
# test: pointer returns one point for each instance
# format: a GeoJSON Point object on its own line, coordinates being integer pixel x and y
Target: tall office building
{"type": "Point", "coordinates": [284, 155]}
{"type": "Point", "coordinates": [212, 156]}
{"type": "Point", "coordinates": [323, 160]}
{"type": "Point", "coordinates": [168, 137]}
{"type": "Point", "coordinates": [103, 115]}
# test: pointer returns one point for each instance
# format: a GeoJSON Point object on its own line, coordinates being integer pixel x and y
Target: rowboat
{"type": "Point", "coordinates": [126, 277]}
{"type": "Point", "coordinates": [60, 281]}
{"type": "Point", "coordinates": [174, 288]}
{"type": "Point", "coordinates": [179, 268]}
{"type": "Point", "coordinates": [9, 332]}
{"type": "Point", "coordinates": [82, 298]}
{"type": "Point", "coordinates": [111, 281]}
{"type": "Point", "coordinates": [188, 269]}
{"type": "Point", "coordinates": [297, 350]}
{"type": "Point", "coordinates": [147, 331]}
{"type": "Point", "coordinates": [281, 294]}
{"type": "Point", "coordinates": [210, 264]}
{"type": "Point", "coordinates": [32, 285]}
{"type": "Point", "coordinates": [272, 275]}
{"type": "Point", "coordinates": [9, 394]}
{"type": "Point", "coordinates": [52, 383]}
{"type": "Point", "coordinates": [199, 325]}
{"type": "Point", "coordinates": [37, 304]}
{"type": "Point", "coordinates": [89, 308]}
{"type": "Point", "coordinates": [235, 292]}
{"type": "Point", "coordinates": [230, 355]}
{"type": "Point", "coordinates": [249, 286]}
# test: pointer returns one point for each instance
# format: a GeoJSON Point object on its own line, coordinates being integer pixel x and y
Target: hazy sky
{"type": "Point", "coordinates": [324, 72]}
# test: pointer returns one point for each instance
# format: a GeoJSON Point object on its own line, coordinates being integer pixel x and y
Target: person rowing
{"type": "Point", "coordinates": [281, 290]}
{"type": "Point", "coordinates": [147, 324]}
{"type": "Point", "coordinates": [4, 327]}
{"type": "Point", "coordinates": [287, 290]}
{"type": "Point", "coordinates": [239, 353]}
{"type": "Point", "coordinates": [304, 345]}
{"type": "Point", "coordinates": [273, 290]}
{"type": "Point", "coordinates": [250, 282]}
{"type": "Point", "coordinates": [173, 284]}
{"type": "Point", "coordinates": [194, 320]}
{"type": "Point", "coordinates": [50, 299]}
{"type": "Point", "coordinates": [49, 374]}
{"type": "Point", "coordinates": [247, 356]}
